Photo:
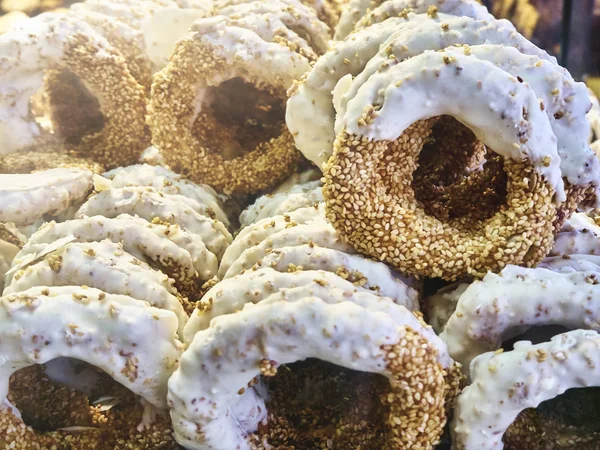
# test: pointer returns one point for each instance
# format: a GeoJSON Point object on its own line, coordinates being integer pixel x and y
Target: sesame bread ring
{"type": "Point", "coordinates": [571, 263]}
{"type": "Point", "coordinates": [394, 8]}
{"type": "Point", "coordinates": [318, 233]}
{"type": "Point", "coordinates": [212, 405]}
{"type": "Point", "coordinates": [389, 224]}
{"type": "Point", "coordinates": [298, 197]}
{"type": "Point", "coordinates": [262, 150]}
{"type": "Point", "coordinates": [148, 204]}
{"type": "Point", "coordinates": [27, 198]}
{"type": "Point", "coordinates": [507, 383]}
{"type": "Point", "coordinates": [256, 286]}
{"type": "Point", "coordinates": [136, 346]}
{"type": "Point", "coordinates": [372, 275]}
{"type": "Point", "coordinates": [355, 10]}
{"type": "Point", "coordinates": [57, 42]}
{"type": "Point", "coordinates": [102, 265]}
{"type": "Point", "coordinates": [501, 306]}
{"type": "Point", "coordinates": [176, 252]}
{"type": "Point", "coordinates": [254, 234]}
{"type": "Point", "coordinates": [311, 114]}
{"type": "Point", "coordinates": [130, 12]}
{"type": "Point", "coordinates": [168, 182]}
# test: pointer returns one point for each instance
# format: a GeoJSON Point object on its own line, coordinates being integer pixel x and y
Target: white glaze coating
{"type": "Point", "coordinates": [296, 16]}
{"type": "Point", "coordinates": [300, 196]}
{"type": "Point", "coordinates": [25, 198]}
{"type": "Point", "coordinates": [566, 104]}
{"type": "Point", "coordinates": [246, 45]}
{"type": "Point", "coordinates": [131, 12]}
{"type": "Point", "coordinates": [105, 266]}
{"type": "Point", "coordinates": [372, 275]}
{"type": "Point", "coordinates": [167, 181]}
{"type": "Point", "coordinates": [594, 117]}
{"type": "Point", "coordinates": [475, 92]}
{"type": "Point", "coordinates": [203, 392]}
{"type": "Point", "coordinates": [505, 384]}
{"type": "Point", "coordinates": [147, 242]}
{"type": "Point", "coordinates": [319, 233]}
{"type": "Point", "coordinates": [163, 27]}
{"type": "Point", "coordinates": [571, 263]}
{"type": "Point", "coordinates": [254, 234]}
{"type": "Point", "coordinates": [256, 286]}
{"type": "Point", "coordinates": [8, 252]}
{"type": "Point", "coordinates": [311, 115]}
{"type": "Point", "coordinates": [131, 341]}
{"type": "Point", "coordinates": [148, 204]}
{"type": "Point", "coordinates": [393, 8]}
{"type": "Point", "coordinates": [501, 306]}
{"type": "Point", "coordinates": [579, 236]}
{"type": "Point", "coordinates": [355, 10]}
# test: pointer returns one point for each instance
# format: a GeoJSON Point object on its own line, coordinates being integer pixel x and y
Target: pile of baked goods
{"type": "Point", "coordinates": [286, 224]}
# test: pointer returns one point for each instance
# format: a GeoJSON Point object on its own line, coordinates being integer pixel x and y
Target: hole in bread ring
{"type": "Point", "coordinates": [214, 402]}
{"type": "Point", "coordinates": [192, 123]}
{"type": "Point", "coordinates": [370, 200]}
{"type": "Point", "coordinates": [54, 42]}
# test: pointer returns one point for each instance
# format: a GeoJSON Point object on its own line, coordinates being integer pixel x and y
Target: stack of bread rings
{"type": "Point", "coordinates": [295, 224]}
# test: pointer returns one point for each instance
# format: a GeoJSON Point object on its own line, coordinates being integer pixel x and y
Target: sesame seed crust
{"type": "Point", "coordinates": [86, 54]}
{"type": "Point", "coordinates": [207, 58]}
{"type": "Point", "coordinates": [32, 161]}
{"type": "Point", "coordinates": [377, 213]}
{"type": "Point", "coordinates": [262, 338]}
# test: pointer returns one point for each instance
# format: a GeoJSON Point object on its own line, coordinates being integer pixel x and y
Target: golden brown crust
{"type": "Point", "coordinates": [28, 162]}
{"type": "Point", "coordinates": [371, 203]}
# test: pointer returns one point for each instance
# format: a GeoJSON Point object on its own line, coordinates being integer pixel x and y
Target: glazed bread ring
{"type": "Point", "coordinates": [504, 384]}
{"type": "Point", "coordinates": [57, 42]}
{"type": "Point", "coordinates": [253, 57]}
{"type": "Point", "coordinates": [213, 407]}
{"type": "Point", "coordinates": [267, 284]}
{"type": "Point", "coordinates": [355, 10]}
{"type": "Point", "coordinates": [378, 147]}
{"type": "Point", "coordinates": [501, 306]}
{"type": "Point", "coordinates": [311, 113]}
{"type": "Point", "coordinates": [101, 265]}
{"type": "Point", "coordinates": [27, 198]}
{"type": "Point", "coordinates": [181, 255]}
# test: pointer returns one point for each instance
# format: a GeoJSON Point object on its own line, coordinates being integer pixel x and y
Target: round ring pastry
{"type": "Point", "coordinates": [130, 12]}
{"type": "Point", "coordinates": [181, 255]}
{"type": "Point", "coordinates": [135, 346]}
{"type": "Point", "coordinates": [256, 233]}
{"type": "Point", "coordinates": [298, 197]}
{"type": "Point", "coordinates": [148, 204]}
{"type": "Point", "coordinates": [318, 233]}
{"type": "Point", "coordinates": [394, 8]}
{"type": "Point", "coordinates": [505, 384]}
{"type": "Point", "coordinates": [234, 149]}
{"type": "Point", "coordinates": [168, 182]}
{"type": "Point", "coordinates": [355, 10]}
{"type": "Point", "coordinates": [27, 198]}
{"type": "Point", "coordinates": [379, 147]}
{"type": "Point", "coordinates": [502, 306]}
{"type": "Point", "coordinates": [55, 42]}
{"type": "Point", "coordinates": [101, 265]}
{"type": "Point", "coordinates": [212, 405]}
{"type": "Point", "coordinates": [267, 284]}
{"type": "Point", "coordinates": [311, 115]}
{"type": "Point", "coordinates": [579, 236]}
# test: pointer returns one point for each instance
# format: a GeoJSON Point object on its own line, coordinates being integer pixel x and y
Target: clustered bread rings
{"type": "Point", "coordinates": [294, 224]}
